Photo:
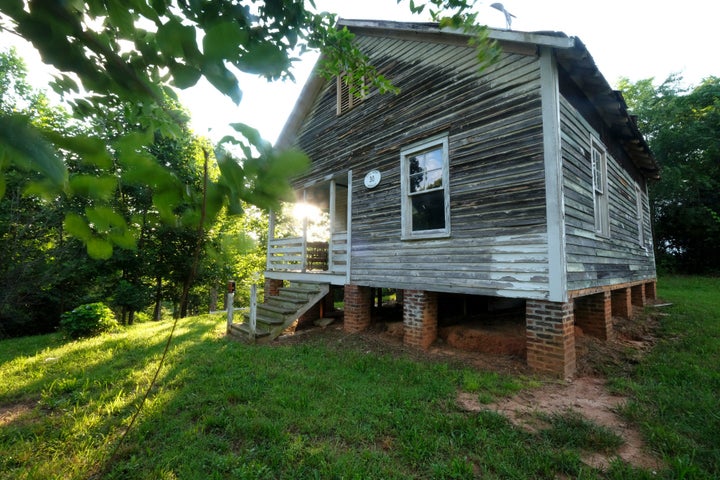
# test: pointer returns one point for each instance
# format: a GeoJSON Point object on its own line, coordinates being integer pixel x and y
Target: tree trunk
{"type": "Point", "coordinates": [157, 311]}
{"type": "Point", "coordinates": [184, 298]}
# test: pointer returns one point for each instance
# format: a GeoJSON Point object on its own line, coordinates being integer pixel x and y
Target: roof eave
{"type": "Point", "coordinates": [303, 106]}
{"type": "Point", "coordinates": [549, 39]}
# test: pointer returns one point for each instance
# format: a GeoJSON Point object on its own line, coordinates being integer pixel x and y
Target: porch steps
{"type": "Point", "coordinates": [280, 311]}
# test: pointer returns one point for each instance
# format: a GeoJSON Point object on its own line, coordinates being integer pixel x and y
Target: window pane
{"type": "Point", "coordinates": [416, 164]}
{"type": "Point", "coordinates": [416, 174]}
{"type": "Point", "coordinates": [433, 159]}
{"type": "Point", "coordinates": [428, 211]}
{"type": "Point", "coordinates": [433, 179]}
{"type": "Point", "coordinates": [426, 170]}
{"type": "Point", "coordinates": [598, 170]}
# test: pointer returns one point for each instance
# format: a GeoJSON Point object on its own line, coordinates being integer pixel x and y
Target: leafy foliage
{"type": "Point", "coordinates": [42, 272]}
{"type": "Point", "coordinates": [682, 130]}
{"type": "Point", "coordinates": [123, 177]}
{"type": "Point", "coordinates": [88, 320]}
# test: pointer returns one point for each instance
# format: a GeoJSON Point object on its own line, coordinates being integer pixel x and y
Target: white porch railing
{"type": "Point", "coordinates": [286, 254]}
{"type": "Point", "coordinates": [294, 254]}
{"type": "Point", "coordinates": [338, 256]}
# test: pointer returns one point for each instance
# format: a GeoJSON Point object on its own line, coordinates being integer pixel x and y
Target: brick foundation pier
{"type": "Point", "coordinates": [358, 306]}
{"type": "Point", "coordinates": [420, 311]}
{"type": "Point", "coordinates": [550, 337]}
{"type": "Point", "coordinates": [593, 314]}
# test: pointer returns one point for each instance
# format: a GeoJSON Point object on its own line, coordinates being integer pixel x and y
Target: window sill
{"type": "Point", "coordinates": [425, 236]}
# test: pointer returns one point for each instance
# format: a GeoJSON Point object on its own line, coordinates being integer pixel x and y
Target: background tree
{"type": "Point", "coordinates": [42, 272]}
{"type": "Point", "coordinates": [43, 269]}
{"type": "Point", "coordinates": [126, 59]}
{"type": "Point", "coordinates": [682, 128]}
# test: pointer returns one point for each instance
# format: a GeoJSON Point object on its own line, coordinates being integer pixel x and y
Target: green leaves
{"type": "Point", "coordinates": [92, 150]}
{"type": "Point", "coordinates": [262, 176]}
{"type": "Point", "coordinates": [23, 145]}
{"type": "Point", "coordinates": [76, 226]}
{"type": "Point", "coordinates": [101, 228]}
{"type": "Point", "coordinates": [221, 41]}
{"type": "Point", "coordinates": [223, 79]}
{"type": "Point", "coordinates": [120, 15]}
{"type": "Point", "coordinates": [95, 187]}
{"type": "Point", "coordinates": [175, 39]}
{"type": "Point", "coordinates": [265, 58]}
{"type": "Point", "coordinates": [167, 201]}
{"type": "Point", "coordinates": [184, 76]}
{"type": "Point", "coordinates": [681, 126]}
{"type": "Point", "coordinates": [104, 218]}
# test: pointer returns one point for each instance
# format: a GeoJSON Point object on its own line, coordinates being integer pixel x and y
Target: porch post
{"type": "Point", "coordinates": [303, 262]}
{"type": "Point", "coordinates": [348, 261]}
{"type": "Point", "coordinates": [253, 311]}
{"type": "Point", "coordinates": [332, 225]}
{"type": "Point", "coordinates": [271, 237]}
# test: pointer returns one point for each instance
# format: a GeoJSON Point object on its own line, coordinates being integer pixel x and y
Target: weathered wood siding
{"type": "Point", "coordinates": [594, 260]}
{"type": "Point", "coordinates": [498, 241]}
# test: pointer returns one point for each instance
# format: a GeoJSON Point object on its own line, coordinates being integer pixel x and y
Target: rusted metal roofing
{"type": "Point", "coordinates": [572, 56]}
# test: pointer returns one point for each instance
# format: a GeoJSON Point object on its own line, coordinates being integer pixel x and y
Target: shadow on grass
{"type": "Point", "coordinates": [223, 409]}
{"type": "Point", "coordinates": [74, 396]}
{"type": "Point", "coordinates": [230, 410]}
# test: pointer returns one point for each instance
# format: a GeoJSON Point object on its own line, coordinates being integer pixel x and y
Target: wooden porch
{"type": "Point", "coordinates": [297, 259]}
{"type": "Point", "coordinates": [309, 256]}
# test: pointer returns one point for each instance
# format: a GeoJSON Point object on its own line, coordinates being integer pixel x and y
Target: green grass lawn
{"type": "Point", "coordinates": [676, 388]}
{"type": "Point", "coordinates": [338, 409]}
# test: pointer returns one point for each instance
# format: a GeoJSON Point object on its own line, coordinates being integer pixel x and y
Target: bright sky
{"type": "Point", "coordinates": [627, 38]}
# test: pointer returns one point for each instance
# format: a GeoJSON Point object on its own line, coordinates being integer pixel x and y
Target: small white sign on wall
{"type": "Point", "coordinates": [372, 179]}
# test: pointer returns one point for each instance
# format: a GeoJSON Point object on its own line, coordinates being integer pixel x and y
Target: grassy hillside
{"type": "Point", "coordinates": [344, 408]}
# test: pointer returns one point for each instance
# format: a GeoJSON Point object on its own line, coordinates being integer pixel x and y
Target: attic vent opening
{"type": "Point", "coordinates": [349, 93]}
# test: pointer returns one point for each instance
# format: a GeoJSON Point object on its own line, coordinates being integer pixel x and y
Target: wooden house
{"type": "Point", "coordinates": [526, 180]}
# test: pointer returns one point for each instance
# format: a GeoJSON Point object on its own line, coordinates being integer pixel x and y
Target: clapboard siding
{"type": "Point", "coordinates": [498, 241]}
{"type": "Point", "coordinates": [593, 260]}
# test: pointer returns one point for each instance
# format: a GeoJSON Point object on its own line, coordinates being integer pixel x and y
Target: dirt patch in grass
{"type": "Point", "coordinates": [586, 394]}
{"type": "Point", "coordinates": [15, 411]}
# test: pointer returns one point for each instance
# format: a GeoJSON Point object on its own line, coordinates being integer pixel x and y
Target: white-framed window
{"type": "Point", "coordinates": [349, 95]}
{"type": "Point", "coordinates": [640, 214]}
{"type": "Point", "coordinates": [425, 189]}
{"type": "Point", "coordinates": [600, 197]}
